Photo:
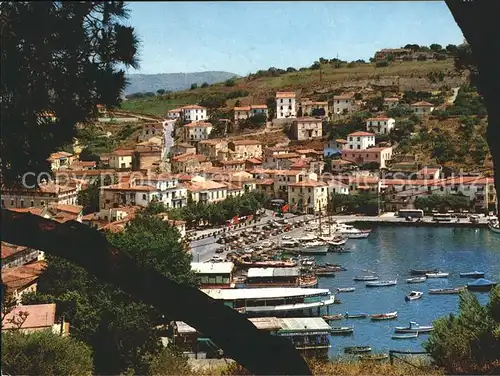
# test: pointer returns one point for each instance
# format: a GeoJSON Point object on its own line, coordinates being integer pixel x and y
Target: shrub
{"type": "Point", "coordinates": [194, 86]}
{"type": "Point", "coordinates": [230, 82]}
{"type": "Point", "coordinates": [382, 63]}
{"type": "Point", "coordinates": [204, 85]}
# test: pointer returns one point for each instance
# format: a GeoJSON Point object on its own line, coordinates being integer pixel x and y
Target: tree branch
{"type": "Point", "coordinates": [257, 351]}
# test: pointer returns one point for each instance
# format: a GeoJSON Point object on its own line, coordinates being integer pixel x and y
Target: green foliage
{"type": "Point", "coordinates": [193, 86]}
{"type": "Point", "coordinates": [44, 353]}
{"type": "Point", "coordinates": [421, 58]}
{"type": "Point", "coordinates": [291, 69]}
{"type": "Point", "coordinates": [121, 332]}
{"type": "Point", "coordinates": [399, 111]}
{"type": "Point", "coordinates": [435, 47]}
{"type": "Point", "coordinates": [375, 104]}
{"type": "Point", "coordinates": [160, 91]}
{"type": "Point", "coordinates": [381, 64]}
{"type": "Point", "coordinates": [89, 197]}
{"type": "Point", "coordinates": [170, 362]}
{"type": "Point", "coordinates": [318, 112]}
{"type": "Point", "coordinates": [469, 342]}
{"type": "Point", "coordinates": [362, 203]}
{"type": "Point", "coordinates": [204, 85]}
{"type": "Point", "coordinates": [443, 203]}
{"type": "Point", "coordinates": [218, 213]}
{"type": "Point", "coordinates": [230, 82]}
{"type": "Point", "coordinates": [316, 65]}
{"type": "Point", "coordinates": [68, 74]}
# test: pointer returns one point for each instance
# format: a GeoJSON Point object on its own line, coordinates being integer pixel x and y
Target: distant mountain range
{"type": "Point", "coordinates": [142, 83]}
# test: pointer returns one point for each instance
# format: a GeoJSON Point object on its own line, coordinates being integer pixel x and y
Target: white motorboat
{"type": "Point", "coordinates": [346, 289]}
{"type": "Point", "coordinates": [365, 278]}
{"type": "Point", "coordinates": [437, 275]}
{"type": "Point", "coordinates": [414, 295]}
{"type": "Point", "coordinates": [416, 279]}
{"type": "Point", "coordinates": [494, 225]}
{"type": "Point", "coordinates": [413, 328]}
{"type": "Point", "coordinates": [350, 231]}
{"type": "Point", "coordinates": [382, 283]}
{"type": "Point", "coordinates": [334, 241]}
{"type": "Point", "coordinates": [314, 247]}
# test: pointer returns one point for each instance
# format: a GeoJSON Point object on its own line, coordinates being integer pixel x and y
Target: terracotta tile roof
{"type": "Point", "coordinates": [231, 186]}
{"type": "Point", "coordinates": [259, 106]}
{"type": "Point", "coordinates": [254, 160]}
{"type": "Point", "coordinates": [246, 142]}
{"type": "Point", "coordinates": [31, 210]}
{"type": "Point", "coordinates": [84, 164]}
{"type": "Point", "coordinates": [391, 99]}
{"type": "Point", "coordinates": [21, 276]}
{"type": "Point", "coordinates": [360, 134]}
{"type": "Point", "coordinates": [285, 94]}
{"type": "Point", "coordinates": [90, 216]}
{"type": "Point", "coordinates": [342, 97]}
{"type": "Point", "coordinates": [341, 141]}
{"type": "Point", "coordinates": [308, 183]}
{"type": "Point", "coordinates": [264, 182]}
{"type": "Point", "coordinates": [11, 249]}
{"type": "Point", "coordinates": [286, 156]}
{"type": "Point", "coordinates": [243, 108]}
{"type": "Point", "coordinates": [185, 145]}
{"type": "Point", "coordinates": [378, 119]}
{"type": "Point", "coordinates": [339, 162]}
{"type": "Point", "coordinates": [308, 151]}
{"type": "Point", "coordinates": [175, 110]}
{"type": "Point", "coordinates": [212, 141]}
{"type": "Point", "coordinates": [158, 126]}
{"type": "Point", "coordinates": [422, 104]}
{"type": "Point", "coordinates": [183, 177]}
{"type": "Point", "coordinates": [232, 162]}
{"type": "Point", "coordinates": [39, 316]}
{"type": "Point", "coordinates": [122, 152]}
{"type": "Point", "coordinates": [205, 185]}
{"type": "Point", "coordinates": [193, 107]}
{"type": "Point", "coordinates": [188, 156]}
{"type": "Point", "coordinates": [128, 187]}
{"type": "Point", "coordinates": [59, 155]}
{"type": "Point", "coordinates": [198, 124]}
{"type": "Point", "coordinates": [73, 209]}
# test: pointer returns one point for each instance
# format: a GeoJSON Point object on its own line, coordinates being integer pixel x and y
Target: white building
{"type": "Point", "coordinates": [206, 191]}
{"type": "Point", "coordinates": [169, 191]}
{"type": "Point", "coordinates": [306, 128]}
{"type": "Point", "coordinates": [194, 113]}
{"type": "Point", "coordinates": [422, 108]}
{"type": "Point", "coordinates": [391, 102]}
{"type": "Point", "coordinates": [175, 113]}
{"type": "Point", "coordinates": [168, 139]}
{"type": "Point", "coordinates": [360, 140]}
{"type": "Point", "coordinates": [285, 104]}
{"type": "Point", "coordinates": [343, 104]}
{"type": "Point", "coordinates": [309, 196]}
{"type": "Point", "coordinates": [380, 125]}
{"type": "Point", "coordinates": [336, 187]}
{"type": "Point", "coordinates": [197, 131]}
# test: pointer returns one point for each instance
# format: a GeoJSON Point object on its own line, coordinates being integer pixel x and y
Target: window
{"type": "Point", "coordinates": [359, 147]}
{"type": "Point", "coordinates": [281, 101]}
{"type": "Point", "coordinates": [144, 196]}
{"type": "Point", "coordinates": [289, 101]}
{"type": "Point", "coordinates": [32, 203]}
{"type": "Point", "coordinates": [22, 203]}
{"type": "Point", "coordinates": [289, 107]}
{"type": "Point", "coordinates": [281, 107]}
{"type": "Point", "coordinates": [359, 138]}
{"type": "Point", "coordinates": [282, 114]}
{"type": "Point", "coordinates": [11, 202]}
{"type": "Point", "coordinates": [42, 203]}
{"type": "Point", "coordinates": [351, 147]}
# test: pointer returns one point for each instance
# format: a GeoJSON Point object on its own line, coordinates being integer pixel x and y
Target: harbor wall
{"type": "Point", "coordinates": [382, 223]}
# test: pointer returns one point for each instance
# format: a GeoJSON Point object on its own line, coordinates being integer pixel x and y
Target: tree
{"type": "Point", "coordinates": [89, 197]}
{"type": "Point", "coordinates": [193, 86]}
{"type": "Point", "coordinates": [68, 76]}
{"type": "Point", "coordinates": [381, 63]}
{"type": "Point", "coordinates": [400, 110]}
{"type": "Point", "coordinates": [451, 49]}
{"type": "Point", "coordinates": [291, 69]}
{"type": "Point", "coordinates": [44, 353]}
{"type": "Point", "coordinates": [271, 107]}
{"type": "Point", "coordinates": [358, 96]}
{"type": "Point", "coordinates": [316, 65]}
{"type": "Point", "coordinates": [318, 112]}
{"type": "Point", "coordinates": [435, 47]}
{"type": "Point", "coordinates": [204, 85]}
{"type": "Point", "coordinates": [230, 82]}
{"type": "Point", "coordinates": [160, 91]}
{"type": "Point", "coordinates": [468, 343]}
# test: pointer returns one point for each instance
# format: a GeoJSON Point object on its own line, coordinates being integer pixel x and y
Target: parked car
{"type": "Point", "coordinates": [219, 250]}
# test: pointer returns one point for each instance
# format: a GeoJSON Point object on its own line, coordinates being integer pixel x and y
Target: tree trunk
{"type": "Point", "coordinates": [255, 350]}
{"type": "Point", "coordinates": [479, 21]}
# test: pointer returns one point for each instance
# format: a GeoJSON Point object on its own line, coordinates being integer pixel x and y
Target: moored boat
{"type": "Point", "coordinates": [346, 289]}
{"type": "Point", "coordinates": [437, 275]}
{"type": "Point", "coordinates": [473, 274]}
{"type": "Point", "coordinates": [365, 278]}
{"type": "Point", "coordinates": [404, 336]}
{"type": "Point", "coordinates": [338, 250]}
{"type": "Point", "coordinates": [342, 330]}
{"type": "Point", "coordinates": [355, 315]}
{"type": "Point", "coordinates": [413, 327]}
{"type": "Point", "coordinates": [414, 295]}
{"type": "Point", "coordinates": [494, 226]}
{"type": "Point", "coordinates": [481, 284]}
{"type": "Point", "coordinates": [374, 357]}
{"type": "Point", "coordinates": [416, 279]}
{"type": "Point", "coordinates": [450, 290]}
{"type": "Point", "coordinates": [333, 317]}
{"type": "Point", "coordinates": [382, 283]}
{"type": "Point", "coordinates": [324, 273]}
{"type": "Point", "coordinates": [423, 271]}
{"type": "Point", "coordinates": [384, 316]}
{"type": "Point", "coordinates": [357, 349]}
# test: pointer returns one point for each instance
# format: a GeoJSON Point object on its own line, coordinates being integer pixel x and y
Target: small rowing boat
{"type": "Point", "coordinates": [357, 349]}
{"type": "Point", "coordinates": [413, 327]}
{"type": "Point", "coordinates": [382, 283]}
{"type": "Point", "coordinates": [414, 295]}
{"type": "Point", "coordinates": [384, 316]}
{"type": "Point", "coordinates": [437, 275]}
{"type": "Point", "coordinates": [405, 336]}
{"type": "Point", "coordinates": [373, 357]}
{"type": "Point", "coordinates": [346, 289]}
{"type": "Point", "coordinates": [450, 290]}
{"type": "Point", "coordinates": [472, 275]}
{"type": "Point", "coordinates": [416, 279]}
{"type": "Point", "coordinates": [423, 271]}
{"type": "Point", "coordinates": [333, 317]}
{"type": "Point", "coordinates": [342, 330]}
{"type": "Point", "coordinates": [355, 315]}
{"type": "Point", "coordinates": [365, 278]}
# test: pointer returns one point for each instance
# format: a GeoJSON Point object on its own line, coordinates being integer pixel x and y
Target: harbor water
{"type": "Point", "coordinates": [392, 252]}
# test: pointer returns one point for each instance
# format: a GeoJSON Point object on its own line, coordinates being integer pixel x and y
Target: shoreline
{"type": "Point", "coordinates": [385, 223]}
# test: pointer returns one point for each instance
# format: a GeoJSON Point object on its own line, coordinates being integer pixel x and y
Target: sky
{"type": "Point", "coordinates": [243, 37]}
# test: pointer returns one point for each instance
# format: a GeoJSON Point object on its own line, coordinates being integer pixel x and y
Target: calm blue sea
{"type": "Point", "coordinates": [391, 252]}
